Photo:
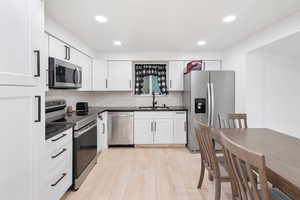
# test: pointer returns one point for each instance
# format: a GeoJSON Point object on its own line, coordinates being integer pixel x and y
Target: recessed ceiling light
{"type": "Point", "coordinates": [229, 18]}
{"type": "Point", "coordinates": [117, 43]}
{"type": "Point", "coordinates": [201, 42]}
{"type": "Point", "coordinates": [101, 19]}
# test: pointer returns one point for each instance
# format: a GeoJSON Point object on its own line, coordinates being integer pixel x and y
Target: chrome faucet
{"type": "Point", "coordinates": [154, 102]}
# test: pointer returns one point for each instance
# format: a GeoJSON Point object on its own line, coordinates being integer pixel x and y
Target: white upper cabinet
{"type": "Point", "coordinates": [120, 75]}
{"type": "Point", "coordinates": [100, 75]}
{"type": "Point", "coordinates": [58, 49]}
{"type": "Point", "coordinates": [21, 22]}
{"type": "Point", "coordinates": [85, 63]}
{"type": "Point", "coordinates": [212, 65]}
{"type": "Point", "coordinates": [176, 69]}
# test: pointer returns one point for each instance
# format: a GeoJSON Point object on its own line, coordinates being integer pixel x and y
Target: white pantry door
{"type": "Point", "coordinates": [17, 48]}
{"type": "Point", "coordinates": [18, 112]}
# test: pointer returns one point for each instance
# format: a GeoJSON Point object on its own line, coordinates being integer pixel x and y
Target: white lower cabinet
{"type": "Point", "coordinates": [159, 128]}
{"type": "Point", "coordinates": [102, 132]}
{"type": "Point", "coordinates": [163, 131]}
{"type": "Point", "coordinates": [143, 131]}
{"type": "Point", "coordinates": [180, 127]}
{"type": "Point", "coordinates": [59, 165]}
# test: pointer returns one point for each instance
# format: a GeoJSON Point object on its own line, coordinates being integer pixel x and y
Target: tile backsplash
{"type": "Point", "coordinates": [113, 98]}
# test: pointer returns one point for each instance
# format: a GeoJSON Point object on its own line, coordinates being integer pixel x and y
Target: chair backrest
{"type": "Point", "coordinates": [206, 147]}
{"type": "Point", "coordinates": [236, 120]}
{"type": "Point", "coordinates": [241, 164]}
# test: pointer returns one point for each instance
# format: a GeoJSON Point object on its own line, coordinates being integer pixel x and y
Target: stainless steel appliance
{"type": "Point", "coordinates": [120, 128]}
{"type": "Point", "coordinates": [84, 136]}
{"type": "Point", "coordinates": [63, 74]}
{"type": "Point", "coordinates": [207, 93]}
{"type": "Point", "coordinates": [84, 152]}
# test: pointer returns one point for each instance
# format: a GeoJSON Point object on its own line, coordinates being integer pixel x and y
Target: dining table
{"type": "Point", "coordinates": [281, 151]}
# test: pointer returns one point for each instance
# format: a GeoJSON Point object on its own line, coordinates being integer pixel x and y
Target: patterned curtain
{"type": "Point", "coordinates": [143, 70]}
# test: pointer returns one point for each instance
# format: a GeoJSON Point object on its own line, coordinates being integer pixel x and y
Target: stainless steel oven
{"type": "Point", "coordinates": [63, 74]}
{"type": "Point", "coordinates": [85, 152]}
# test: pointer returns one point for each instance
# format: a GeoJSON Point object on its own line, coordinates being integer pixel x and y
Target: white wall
{"type": "Point", "coordinates": [112, 99]}
{"type": "Point", "coordinates": [60, 32]}
{"type": "Point", "coordinates": [235, 58]}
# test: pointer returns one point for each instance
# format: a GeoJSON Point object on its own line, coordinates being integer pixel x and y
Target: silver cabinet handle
{"type": "Point", "coordinates": [55, 156]}
{"type": "Point", "coordinates": [106, 83]}
{"type": "Point", "coordinates": [209, 104]}
{"type": "Point", "coordinates": [212, 104]}
{"type": "Point", "coordinates": [155, 126]}
{"type": "Point", "coordinates": [170, 83]}
{"type": "Point", "coordinates": [184, 128]}
{"type": "Point", "coordinates": [129, 83]}
{"type": "Point", "coordinates": [103, 128]}
{"type": "Point", "coordinates": [151, 126]}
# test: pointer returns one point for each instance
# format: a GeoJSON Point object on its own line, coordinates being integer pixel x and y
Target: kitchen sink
{"type": "Point", "coordinates": [154, 108]}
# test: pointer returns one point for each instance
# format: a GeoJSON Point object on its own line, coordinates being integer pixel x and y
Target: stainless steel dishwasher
{"type": "Point", "coordinates": [120, 128]}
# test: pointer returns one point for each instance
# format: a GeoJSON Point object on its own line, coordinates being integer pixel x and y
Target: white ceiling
{"type": "Point", "coordinates": [166, 25]}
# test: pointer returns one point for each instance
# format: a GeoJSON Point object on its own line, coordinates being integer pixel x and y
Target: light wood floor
{"type": "Point", "coordinates": [146, 174]}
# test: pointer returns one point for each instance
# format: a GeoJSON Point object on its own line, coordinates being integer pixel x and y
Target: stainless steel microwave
{"type": "Point", "coordinates": [64, 75]}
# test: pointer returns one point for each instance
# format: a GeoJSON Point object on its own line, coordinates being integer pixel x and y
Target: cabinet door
{"type": "Point", "coordinates": [163, 131]}
{"type": "Point", "coordinates": [120, 75]}
{"type": "Point", "coordinates": [20, 35]}
{"type": "Point", "coordinates": [16, 142]}
{"type": "Point", "coordinates": [75, 56]}
{"type": "Point", "coordinates": [86, 63]}
{"type": "Point", "coordinates": [176, 69]}
{"type": "Point", "coordinates": [99, 75]}
{"type": "Point", "coordinates": [57, 49]}
{"type": "Point", "coordinates": [180, 126]}
{"type": "Point", "coordinates": [212, 65]}
{"type": "Point", "coordinates": [143, 131]}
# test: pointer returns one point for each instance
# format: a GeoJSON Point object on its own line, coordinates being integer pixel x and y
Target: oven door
{"type": "Point", "coordinates": [85, 147]}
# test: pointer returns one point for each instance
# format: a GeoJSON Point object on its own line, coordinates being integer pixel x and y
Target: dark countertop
{"type": "Point", "coordinates": [132, 109]}
{"type": "Point", "coordinates": [55, 128]}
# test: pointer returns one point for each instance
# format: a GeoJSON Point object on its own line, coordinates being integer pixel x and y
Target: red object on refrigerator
{"type": "Point", "coordinates": [194, 65]}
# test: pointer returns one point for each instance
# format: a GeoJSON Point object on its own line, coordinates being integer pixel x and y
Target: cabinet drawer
{"type": "Point", "coordinates": [153, 115]}
{"type": "Point", "coordinates": [58, 141]}
{"type": "Point", "coordinates": [59, 183]}
{"type": "Point", "coordinates": [61, 157]}
{"type": "Point", "coordinates": [179, 114]}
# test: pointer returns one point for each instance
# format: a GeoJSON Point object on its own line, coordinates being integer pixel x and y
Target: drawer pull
{"type": "Point", "coordinates": [63, 135]}
{"type": "Point", "coordinates": [61, 178]}
{"type": "Point", "coordinates": [55, 156]}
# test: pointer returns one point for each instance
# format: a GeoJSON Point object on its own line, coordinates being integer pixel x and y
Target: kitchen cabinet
{"type": "Point", "coordinates": [102, 125]}
{"type": "Point", "coordinates": [153, 128]}
{"type": "Point", "coordinates": [163, 131]}
{"type": "Point", "coordinates": [100, 71]}
{"type": "Point", "coordinates": [180, 127]}
{"type": "Point", "coordinates": [58, 49]}
{"type": "Point", "coordinates": [59, 162]}
{"type": "Point", "coordinates": [85, 63]}
{"type": "Point", "coordinates": [119, 76]}
{"type": "Point", "coordinates": [20, 42]}
{"type": "Point", "coordinates": [22, 130]}
{"type": "Point", "coordinates": [212, 65]}
{"type": "Point", "coordinates": [143, 131]}
{"type": "Point", "coordinates": [176, 70]}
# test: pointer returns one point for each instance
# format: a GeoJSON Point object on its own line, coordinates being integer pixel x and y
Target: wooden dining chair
{"type": "Point", "coordinates": [235, 120]}
{"type": "Point", "coordinates": [209, 160]}
{"type": "Point", "coordinates": [237, 157]}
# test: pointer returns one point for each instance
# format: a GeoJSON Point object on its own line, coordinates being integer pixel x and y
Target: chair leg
{"type": "Point", "coordinates": [201, 178]}
{"type": "Point", "coordinates": [217, 189]}
{"type": "Point", "coordinates": [210, 177]}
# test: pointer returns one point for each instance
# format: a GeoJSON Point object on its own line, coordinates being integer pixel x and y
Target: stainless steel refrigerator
{"type": "Point", "coordinates": [207, 93]}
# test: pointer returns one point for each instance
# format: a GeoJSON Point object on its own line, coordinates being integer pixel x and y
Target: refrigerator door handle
{"type": "Point", "coordinates": [212, 104]}
{"type": "Point", "coordinates": [209, 104]}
